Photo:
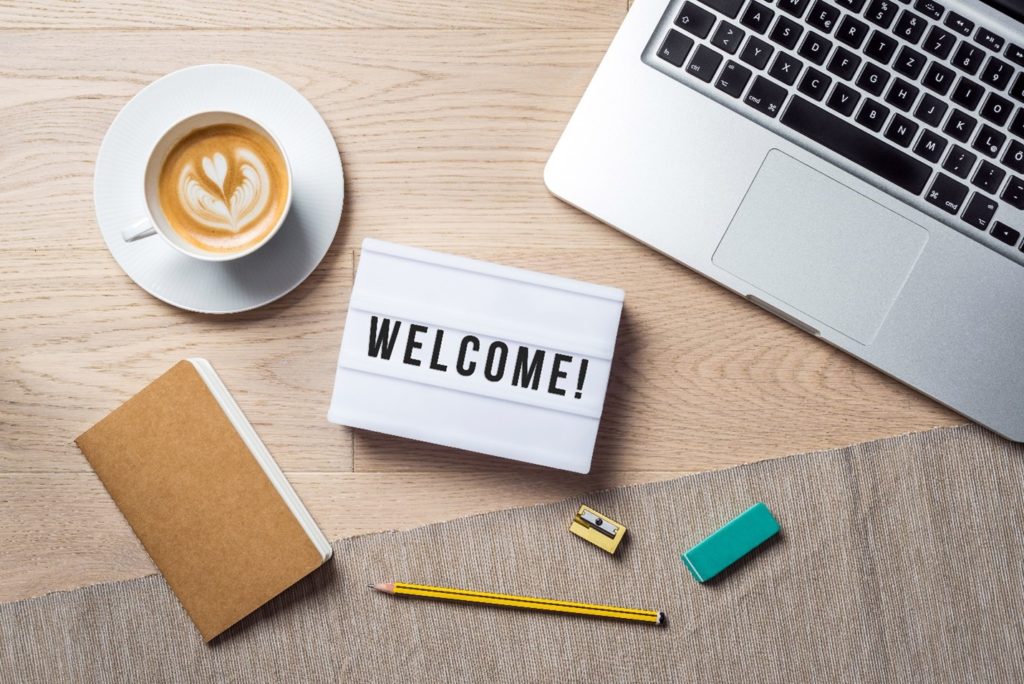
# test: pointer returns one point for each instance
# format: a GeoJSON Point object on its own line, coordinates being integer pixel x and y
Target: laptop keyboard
{"type": "Point", "coordinates": [911, 92]}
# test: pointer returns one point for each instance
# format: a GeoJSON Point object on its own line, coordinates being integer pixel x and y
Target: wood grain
{"type": "Point", "coordinates": [444, 135]}
{"type": "Point", "coordinates": [305, 14]}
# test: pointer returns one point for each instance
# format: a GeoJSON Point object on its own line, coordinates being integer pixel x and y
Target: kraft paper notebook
{"type": "Point", "coordinates": [204, 496]}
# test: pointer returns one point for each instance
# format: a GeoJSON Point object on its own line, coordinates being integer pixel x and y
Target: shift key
{"type": "Point", "coordinates": [765, 96]}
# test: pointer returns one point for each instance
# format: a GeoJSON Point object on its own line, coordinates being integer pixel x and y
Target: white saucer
{"type": "Point", "coordinates": [277, 267]}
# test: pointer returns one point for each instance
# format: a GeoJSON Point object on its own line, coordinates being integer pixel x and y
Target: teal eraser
{"type": "Point", "coordinates": [732, 541]}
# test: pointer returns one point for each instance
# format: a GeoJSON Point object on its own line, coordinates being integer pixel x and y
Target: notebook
{"type": "Point", "coordinates": [204, 496]}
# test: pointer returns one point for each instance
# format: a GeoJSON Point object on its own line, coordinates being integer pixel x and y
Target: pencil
{"type": "Point", "coordinates": [654, 617]}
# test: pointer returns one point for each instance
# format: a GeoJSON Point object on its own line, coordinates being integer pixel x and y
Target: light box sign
{"type": "Point", "coordinates": [475, 355]}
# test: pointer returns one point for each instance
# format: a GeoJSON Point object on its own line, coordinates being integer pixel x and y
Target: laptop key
{"type": "Point", "coordinates": [1017, 89]}
{"type": "Point", "coordinates": [909, 62]}
{"type": "Point", "coordinates": [959, 161]}
{"type": "Point", "coordinates": [901, 130]}
{"type": "Point", "coordinates": [967, 94]}
{"type": "Point", "coordinates": [946, 193]}
{"type": "Point", "coordinates": [675, 48]}
{"type": "Point", "coordinates": [1015, 53]}
{"type": "Point", "coordinates": [938, 78]}
{"type": "Point", "coordinates": [1017, 124]}
{"type": "Point", "coordinates": [857, 145]}
{"type": "Point", "coordinates": [986, 38]}
{"type": "Point", "coordinates": [930, 146]}
{"type": "Point", "coordinates": [881, 12]}
{"type": "Point", "coordinates": [843, 99]}
{"type": "Point", "coordinates": [757, 17]}
{"type": "Point", "coordinates": [786, 32]}
{"type": "Point", "coordinates": [814, 84]}
{"type": "Point", "coordinates": [901, 94]}
{"type": "Point", "coordinates": [930, 110]}
{"type": "Point", "coordinates": [873, 78]}
{"type": "Point", "coordinates": [695, 19]}
{"type": "Point", "coordinates": [988, 177]}
{"type": "Point", "coordinates": [730, 8]}
{"type": "Point", "coordinates": [704, 63]}
{"type": "Point", "coordinates": [727, 37]}
{"type": "Point", "coordinates": [939, 43]}
{"type": "Point", "coordinates": [823, 16]}
{"type": "Point", "coordinates": [1005, 233]}
{"type": "Point", "coordinates": [733, 78]}
{"type": "Point", "coordinates": [929, 8]}
{"type": "Point", "coordinates": [997, 73]}
{"type": "Point", "coordinates": [765, 96]}
{"type": "Point", "coordinates": [910, 27]}
{"type": "Point", "coordinates": [996, 109]}
{"type": "Point", "coordinates": [880, 47]}
{"type": "Point", "coordinates": [1014, 192]}
{"type": "Point", "coordinates": [979, 211]}
{"type": "Point", "coordinates": [872, 114]}
{"type": "Point", "coordinates": [989, 141]}
{"type": "Point", "coordinates": [844, 63]}
{"type": "Point", "coordinates": [794, 7]}
{"type": "Point", "coordinates": [1014, 157]}
{"type": "Point", "coordinates": [961, 25]}
{"type": "Point", "coordinates": [815, 48]}
{"type": "Point", "coordinates": [785, 68]}
{"type": "Point", "coordinates": [852, 5]}
{"type": "Point", "coordinates": [852, 32]}
{"type": "Point", "coordinates": [959, 125]}
{"type": "Point", "coordinates": [756, 53]}
{"type": "Point", "coordinates": [968, 58]}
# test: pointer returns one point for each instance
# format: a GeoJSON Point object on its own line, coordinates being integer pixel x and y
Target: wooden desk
{"type": "Point", "coordinates": [445, 112]}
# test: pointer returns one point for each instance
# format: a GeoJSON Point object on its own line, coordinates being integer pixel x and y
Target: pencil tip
{"type": "Point", "coordinates": [370, 585]}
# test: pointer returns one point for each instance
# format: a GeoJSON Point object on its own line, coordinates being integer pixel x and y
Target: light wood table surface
{"type": "Point", "coordinates": [444, 112]}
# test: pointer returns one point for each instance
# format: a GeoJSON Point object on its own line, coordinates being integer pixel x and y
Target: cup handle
{"type": "Point", "coordinates": [141, 229]}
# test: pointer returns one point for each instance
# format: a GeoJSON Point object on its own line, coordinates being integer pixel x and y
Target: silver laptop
{"type": "Point", "coordinates": [855, 167]}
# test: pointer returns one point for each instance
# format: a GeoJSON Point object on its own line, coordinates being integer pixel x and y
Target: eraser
{"type": "Point", "coordinates": [732, 541]}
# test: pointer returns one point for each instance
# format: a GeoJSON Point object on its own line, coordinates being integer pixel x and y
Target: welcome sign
{"type": "Point", "coordinates": [475, 355]}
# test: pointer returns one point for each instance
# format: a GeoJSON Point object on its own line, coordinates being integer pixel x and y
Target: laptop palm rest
{"type": "Point", "coordinates": [820, 247]}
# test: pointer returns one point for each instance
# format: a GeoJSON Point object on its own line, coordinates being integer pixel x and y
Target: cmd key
{"type": "Point", "coordinates": [947, 194]}
{"type": "Point", "coordinates": [765, 96]}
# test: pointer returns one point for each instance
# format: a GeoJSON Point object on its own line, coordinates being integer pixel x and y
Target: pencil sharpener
{"type": "Point", "coordinates": [597, 529]}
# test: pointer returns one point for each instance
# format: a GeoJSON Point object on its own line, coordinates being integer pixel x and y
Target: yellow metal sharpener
{"type": "Point", "coordinates": [597, 529]}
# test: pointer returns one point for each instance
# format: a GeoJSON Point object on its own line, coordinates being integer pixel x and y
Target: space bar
{"type": "Point", "coordinates": [861, 148]}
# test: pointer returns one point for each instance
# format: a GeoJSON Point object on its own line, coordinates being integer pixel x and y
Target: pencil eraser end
{"type": "Point", "coordinates": [731, 542]}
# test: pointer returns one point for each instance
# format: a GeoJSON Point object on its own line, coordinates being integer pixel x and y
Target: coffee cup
{"type": "Point", "coordinates": [217, 186]}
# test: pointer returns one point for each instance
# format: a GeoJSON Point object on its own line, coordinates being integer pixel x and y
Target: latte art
{"type": "Point", "coordinates": [224, 187]}
{"type": "Point", "coordinates": [230, 211]}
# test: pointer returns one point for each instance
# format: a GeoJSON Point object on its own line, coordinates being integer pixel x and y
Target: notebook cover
{"type": "Point", "coordinates": [224, 539]}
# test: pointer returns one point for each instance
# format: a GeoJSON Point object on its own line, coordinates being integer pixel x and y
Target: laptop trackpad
{"type": "Point", "coordinates": [822, 248]}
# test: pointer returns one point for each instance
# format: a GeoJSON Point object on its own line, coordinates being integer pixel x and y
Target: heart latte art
{"type": "Point", "coordinates": [223, 188]}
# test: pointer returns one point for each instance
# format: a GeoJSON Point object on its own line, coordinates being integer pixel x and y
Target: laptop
{"type": "Point", "coordinates": [855, 167]}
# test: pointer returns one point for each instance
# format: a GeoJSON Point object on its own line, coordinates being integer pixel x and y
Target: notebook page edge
{"type": "Point", "coordinates": [262, 455]}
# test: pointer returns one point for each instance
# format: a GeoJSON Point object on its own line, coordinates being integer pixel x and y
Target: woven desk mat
{"type": "Point", "coordinates": [899, 560]}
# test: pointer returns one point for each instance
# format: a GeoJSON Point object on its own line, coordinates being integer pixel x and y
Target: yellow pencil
{"type": "Point", "coordinates": [654, 617]}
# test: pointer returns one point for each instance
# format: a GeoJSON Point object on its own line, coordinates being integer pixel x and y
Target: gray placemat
{"type": "Point", "coordinates": [900, 560]}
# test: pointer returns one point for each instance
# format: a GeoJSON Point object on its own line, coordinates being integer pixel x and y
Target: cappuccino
{"type": "Point", "coordinates": [224, 188]}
